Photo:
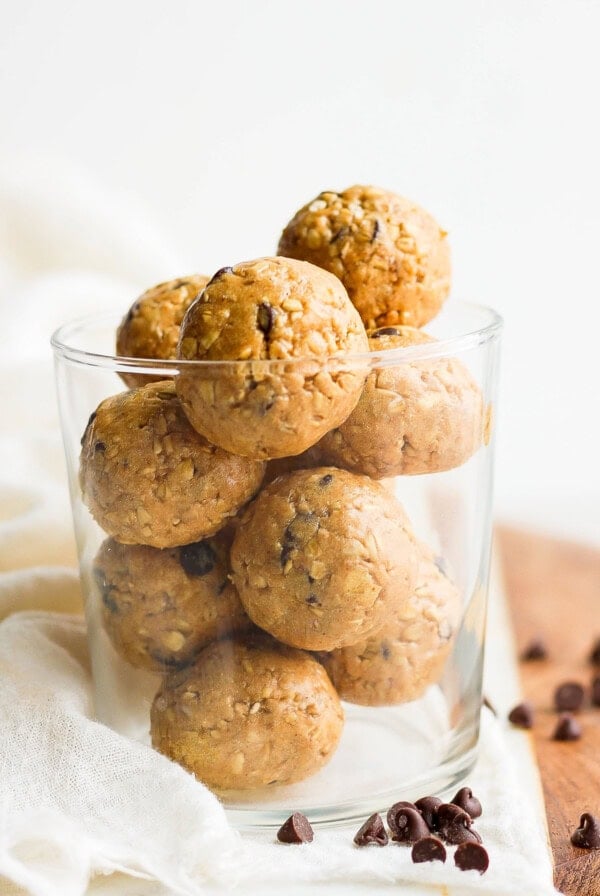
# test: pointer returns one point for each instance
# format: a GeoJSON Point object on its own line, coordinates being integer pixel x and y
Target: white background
{"type": "Point", "coordinates": [216, 120]}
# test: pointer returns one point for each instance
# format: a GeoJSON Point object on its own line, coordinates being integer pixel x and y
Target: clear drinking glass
{"type": "Point", "coordinates": [411, 691]}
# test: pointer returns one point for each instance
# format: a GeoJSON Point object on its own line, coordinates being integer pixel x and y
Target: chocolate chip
{"type": "Point", "coordinates": [265, 317]}
{"type": "Point", "coordinates": [219, 274]}
{"type": "Point", "coordinates": [312, 599]}
{"type": "Point", "coordinates": [296, 829]}
{"type": "Point", "coordinates": [455, 825]}
{"type": "Point", "coordinates": [105, 589]}
{"type": "Point", "coordinates": [298, 531]}
{"type": "Point", "coordinates": [594, 656]}
{"type": "Point", "coordinates": [384, 331]}
{"type": "Point", "coordinates": [372, 832]}
{"type": "Point", "coordinates": [376, 228]}
{"type": "Point", "coordinates": [568, 697]}
{"type": "Point", "coordinates": [567, 728]}
{"type": "Point", "coordinates": [428, 806]}
{"type": "Point", "coordinates": [522, 715]}
{"type": "Point", "coordinates": [91, 419]}
{"type": "Point", "coordinates": [535, 650]}
{"type": "Point", "coordinates": [428, 849]}
{"type": "Point", "coordinates": [472, 857]}
{"type": "Point", "coordinates": [464, 799]}
{"type": "Point", "coordinates": [339, 235]}
{"type": "Point", "coordinates": [385, 651]}
{"type": "Point", "coordinates": [406, 824]}
{"type": "Point", "coordinates": [596, 690]}
{"type": "Point", "coordinates": [100, 446]}
{"type": "Point", "coordinates": [587, 835]}
{"type": "Point", "coordinates": [197, 559]}
{"type": "Point", "coordinates": [391, 813]}
{"type": "Point", "coordinates": [327, 479]}
{"type": "Point", "coordinates": [485, 701]}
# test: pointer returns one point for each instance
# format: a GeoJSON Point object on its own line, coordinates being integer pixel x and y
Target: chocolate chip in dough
{"type": "Point", "coordinates": [265, 317]}
{"type": "Point", "coordinates": [297, 829]}
{"type": "Point", "coordinates": [219, 274]}
{"type": "Point", "coordinates": [567, 728]}
{"type": "Point", "coordinates": [372, 832]}
{"type": "Point", "coordinates": [428, 849]}
{"type": "Point", "coordinates": [198, 558]}
{"type": "Point", "coordinates": [521, 715]}
{"type": "Point", "coordinates": [594, 656]}
{"type": "Point", "coordinates": [596, 690]}
{"type": "Point", "coordinates": [464, 799]}
{"type": "Point", "coordinates": [568, 697]}
{"type": "Point", "coordinates": [384, 331]}
{"type": "Point", "coordinates": [535, 650]}
{"type": "Point", "coordinates": [472, 857]}
{"type": "Point", "coordinates": [587, 835]}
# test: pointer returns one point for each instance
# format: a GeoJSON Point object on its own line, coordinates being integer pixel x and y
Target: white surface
{"type": "Point", "coordinates": [218, 119]}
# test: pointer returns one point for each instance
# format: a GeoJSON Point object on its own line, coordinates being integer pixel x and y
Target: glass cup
{"type": "Point", "coordinates": [328, 661]}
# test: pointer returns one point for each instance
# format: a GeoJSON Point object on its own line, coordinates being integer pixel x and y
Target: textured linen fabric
{"type": "Point", "coordinates": [77, 799]}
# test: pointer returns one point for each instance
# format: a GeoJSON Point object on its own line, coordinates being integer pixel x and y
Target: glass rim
{"type": "Point", "coordinates": [63, 347]}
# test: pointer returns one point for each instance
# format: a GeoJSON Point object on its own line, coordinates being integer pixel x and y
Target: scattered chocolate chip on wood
{"type": "Point", "coordinates": [535, 650]}
{"type": "Point", "coordinates": [567, 728]}
{"type": "Point", "coordinates": [407, 824]}
{"type": "Point", "coordinates": [455, 825]}
{"type": "Point", "coordinates": [522, 715]}
{"type": "Point", "coordinates": [428, 849]}
{"type": "Point", "coordinates": [568, 697]}
{"type": "Point", "coordinates": [472, 857]}
{"type": "Point", "coordinates": [465, 800]}
{"type": "Point", "coordinates": [595, 691]}
{"type": "Point", "coordinates": [372, 832]}
{"type": "Point", "coordinates": [297, 829]}
{"type": "Point", "coordinates": [587, 835]}
{"type": "Point", "coordinates": [594, 656]}
{"type": "Point", "coordinates": [428, 806]}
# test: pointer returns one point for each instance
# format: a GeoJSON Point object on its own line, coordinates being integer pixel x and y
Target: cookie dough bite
{"type": "Point", "coordinates": [149, 478]}
{"type": "Point", "coordinates": [150, 329]}
{"type": "Point", "coordinates": [323, 558]}
{"type": "Point", "coordinates": [409, 653]}
{"type": "Point", "coordinates": [390, 254]}
{"type": "Point", "coordinates": [161, 607]}
{"type": "Point", "coordinates": [413, 417]}
{"type": "Point", "coordinates": [276, 315]}
{"type": "Point", "coordinates": [248, 713]}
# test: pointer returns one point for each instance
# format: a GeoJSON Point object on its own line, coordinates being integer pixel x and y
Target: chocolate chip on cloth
{"type": "Point", "coordinates": [161, 607]}
{"type": "Point", "coordinates": [297, 829]}
{"type": "Point", "coordinates": [414, 416]}
{"type": "Point", "coordinates": [149, 478]}
{"type": "Point", "coordinates": [428, 849]}
{"type": "Point", "coordinates": [150, 329]}
{"type": "Point", "coordinates": [390, 254]}
{"type": "Point", "coordinates": [569, 697]}
{"type": "Point", "coordinates": [521, 715]}
{"type": "Point", "coordinates": [401, 660]}
{"type": "Point", "coordinates": [287, 320]}
{"type": "Point", "coordinates": [464, 799]}
{"type": "Point", "coordinates": [471, 857]}
{"type": "Point", "coordinates": [324, 557]}
{"type": "Point", "coordinates": [454, 825]}
{"type": "Point", "coordinates": [428, 806]}
{"type": "Point", "coordinates": [587, 835]}
{"type": "Point", "coordinates": [248, 712]}
{"type": "Point", "coordinates": [406, 824]}
{"type": "Point", "coordinates": [567, 728]}
{"type": "Point", "coordinates": [372, 832]}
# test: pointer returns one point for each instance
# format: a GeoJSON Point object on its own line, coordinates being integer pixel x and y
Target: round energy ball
{"type": "Point", "coordinates": [149, 478]}
{"type": "Point", "coordinates": [161, 607]}
{"type": "Point", "coordinates": [322, 558]}
{"type": "Point", "coordinates": [409, 653]}
{"type": "Point", "coordinates": [287, 321]}
{"type": "Point", "coordinates": [390, 254]}
{"type": "Point", "coordinates": [413, 417]}
{"type": "Point", "coordinates": [248, 714]}
{"type": "Point", "coordinates": [150, 329]}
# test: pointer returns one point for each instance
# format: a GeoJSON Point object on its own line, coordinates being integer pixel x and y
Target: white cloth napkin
{"type": "Point", "coordinates": [77, 799]}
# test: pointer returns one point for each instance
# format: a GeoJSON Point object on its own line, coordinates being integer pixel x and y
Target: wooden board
{"type": "Point", "coordinates": [553, 590]}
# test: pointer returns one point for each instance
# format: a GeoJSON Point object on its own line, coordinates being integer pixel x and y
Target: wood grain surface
{"type": "Point", "coordinates": [553, 590]}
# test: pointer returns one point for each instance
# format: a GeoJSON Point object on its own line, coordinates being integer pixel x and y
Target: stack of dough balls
{"type": "Point", "coordinates": [255, 556]}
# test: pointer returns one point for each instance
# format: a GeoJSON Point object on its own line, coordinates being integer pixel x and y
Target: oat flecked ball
{"type": "Point", "coordinates": [266, 313]}
{"type": "Point", "coordinates": [415, 416]}
{"type": "Point", "coordinates": [150, 328]}
{"type": "Point", "coordinates": [408, 655]}
{"type": "Point", "coordinates": [390, 254]}
{"type": "Point", "coordinates": [161, 607]}
{"type": "Point", "coordinates": [323, 558]}
{"type": "Point", "coordinates": [248, 714]}
{"type": "Point", "coordinates": [149, 478]}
